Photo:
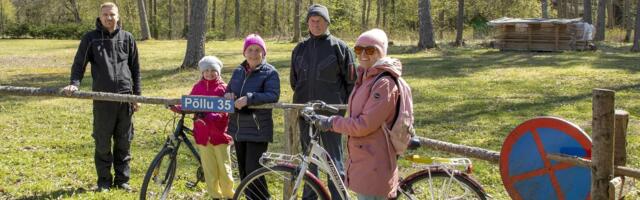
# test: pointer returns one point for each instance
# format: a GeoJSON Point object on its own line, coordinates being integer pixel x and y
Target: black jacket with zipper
{"type": "Point", "coordinates": [262, 85]}
{"type": "Point", "coordinates": [113, 58]}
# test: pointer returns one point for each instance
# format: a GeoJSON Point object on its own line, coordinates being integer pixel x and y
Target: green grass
{"type": "Point", "coordinates": [472, 96]}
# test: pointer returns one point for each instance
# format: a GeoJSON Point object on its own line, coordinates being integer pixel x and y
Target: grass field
{"type": "Point", "coordinates": [473, 96]}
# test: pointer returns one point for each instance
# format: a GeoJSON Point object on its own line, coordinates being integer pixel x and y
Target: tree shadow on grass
{"type": "Point", "coordinates": [472, 110]}
{"type": "Point", "coordinates": [56, 194]}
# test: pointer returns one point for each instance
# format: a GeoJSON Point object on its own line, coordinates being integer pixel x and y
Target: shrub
{"type": "Point", "coordinates": [51, 31]}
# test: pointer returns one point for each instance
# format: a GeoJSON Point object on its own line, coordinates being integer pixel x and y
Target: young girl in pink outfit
{"type": "Point", "coordinates": [210, 132]}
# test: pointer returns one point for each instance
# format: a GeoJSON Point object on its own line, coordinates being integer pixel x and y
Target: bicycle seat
{"type": "Point", "coordinates": [414, 143]}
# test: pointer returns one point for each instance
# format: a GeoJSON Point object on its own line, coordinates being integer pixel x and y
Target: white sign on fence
{"type": "Point", "coordinates": [206, 104]}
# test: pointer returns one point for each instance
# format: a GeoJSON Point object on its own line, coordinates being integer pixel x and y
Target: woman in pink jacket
{"type": "Point", "coordinates": [372, 170]}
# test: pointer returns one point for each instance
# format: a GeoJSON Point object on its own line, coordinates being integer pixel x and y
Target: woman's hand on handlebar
{"type": "Point", "coordinates": [322, 123]}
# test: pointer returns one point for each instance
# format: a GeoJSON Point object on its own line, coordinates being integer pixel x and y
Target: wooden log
{"type": "Point", "coordinates": [281, 105]}
{"type": "Point", "coordinates": [602, 150]}
{"type": "Point", "coordinates": [618, 170]}
{"type": "Point", "coordinates": [620, 141]}
{"type": "Point", "coordinates": [103, 96]}
{"type": "Point", "coordinates": [467, 151]}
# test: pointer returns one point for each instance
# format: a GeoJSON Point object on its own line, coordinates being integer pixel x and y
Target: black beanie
{"type": "Point", "coordinates": [318, 10]}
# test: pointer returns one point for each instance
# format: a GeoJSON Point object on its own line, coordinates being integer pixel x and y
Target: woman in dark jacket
{"type": "Point", "coordinates": [254, 82]}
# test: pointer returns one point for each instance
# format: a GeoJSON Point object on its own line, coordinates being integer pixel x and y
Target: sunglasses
{"type": "Point", "coordinates": [370, 50]}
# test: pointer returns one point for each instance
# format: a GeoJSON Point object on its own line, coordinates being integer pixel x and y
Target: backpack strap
{"type": "Point", "coordinates": [383, 74]}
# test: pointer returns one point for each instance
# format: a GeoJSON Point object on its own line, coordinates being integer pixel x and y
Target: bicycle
{"type": "Point", "coordinates": [440, 178]}
{"type": "Point", "coordinates": [160, 175]}
{"type": "Point", "coordinates": [283, 176]}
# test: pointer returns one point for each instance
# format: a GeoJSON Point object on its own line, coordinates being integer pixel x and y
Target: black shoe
{"type": "Point", "coordinates": [100, 188]}
{"type": "Point", "coordinates": [124, 186]}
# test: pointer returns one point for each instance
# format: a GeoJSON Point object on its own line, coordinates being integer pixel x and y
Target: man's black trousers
{"type": "Point", "coordinates": [112, 121]}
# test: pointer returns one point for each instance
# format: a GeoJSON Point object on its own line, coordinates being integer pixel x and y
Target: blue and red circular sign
{"type": "Point", "coordinates": [528, 174]}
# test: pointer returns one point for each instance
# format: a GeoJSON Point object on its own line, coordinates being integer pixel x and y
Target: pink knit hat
{"type": "Point", "coordinates": [374, 37]}
{"type": "Point", "coordinates": [254, 39]}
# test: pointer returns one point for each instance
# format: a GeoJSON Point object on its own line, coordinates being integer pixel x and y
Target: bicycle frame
{"type": "Point", "coordinates": [316, 155]}
{"type": "Point", "coordinates": [180, 135]}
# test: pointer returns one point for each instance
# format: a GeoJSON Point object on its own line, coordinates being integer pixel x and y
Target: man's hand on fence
{"type": "Point", "coordinates": [136, 106]}
{"type": "Point", "coordinates": [69, 89]}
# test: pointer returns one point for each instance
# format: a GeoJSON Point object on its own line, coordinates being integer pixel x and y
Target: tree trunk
{"type": "Point", "coordinates": [600, 26]}
{"type": "Point", "coordinates": [587, 12]}
{"type": "Point", "coordinates": [626, 20]}
{"type": "Point", "coordinates": [560, 8]}
{"type": "Point", "coordinates": [368, 12]}
{"type": "Point", "coordinates": [636, 32]}
{"type": "Point", "coordinates": [274, 23]}
{"type": "Point", "coordinates": [576, 10]}
{"type": "Point", "coordinates": [154, 18]}
{"type": "Point", "coordinates": [75, 12]}
{"type": "Point", "coordinates": [1, 18]}
{"type": "Point", "coordinates": [224, 19]}
{"type": "Point", "coordinates": [378, 6]}
{"type": "Point", "coordinates": [213, 14]}
{"type": "Point", "coordinates": [197, 32]}
{"type": "Point", "coordinates": [611, 18]}
{"type": "Point", "coordinates": [384, 14]}
{"type": "Point", "coordinates": [172, 22]}
{"type": "Point", "coordinates": [285, 15]}
{"type": "Point", "coordinates": [545, 11]}
{"type": "Point", "coordinates": [441, 21]}
{"type": "Point", "coordinates": [460, 23]}
{"type": "Point", "coordinates": [185, 28]}
{"type": "Point", "coordinates": [261, 24]}
{"type": "Point", "coordinates": [393, 9]}
{"type": "Point", "coordinates": [296, 21]}
{"type": "Point", "coordinates": [363, 22]}
{"type": "Point", "coordinates": [426, 25]}
{"type": "Point", "coordinates": [144, 24]}
{"type": "Point", "coordinates": [237, 21]}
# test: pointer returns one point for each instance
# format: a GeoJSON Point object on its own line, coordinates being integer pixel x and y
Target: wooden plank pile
{"type": "Point", "coordinates": [536, 34]}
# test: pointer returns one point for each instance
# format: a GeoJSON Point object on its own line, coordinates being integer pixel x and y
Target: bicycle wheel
{"type": "Point", "coordinates": [438, 184]}
{"type": "Point", "coordinates": [159, 178]}
{"type": "Point", "coordinates": [271, 183]}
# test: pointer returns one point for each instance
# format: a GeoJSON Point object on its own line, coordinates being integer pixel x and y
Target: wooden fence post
{"type": "Point", "coordinates": [292, 136]}
{"type": "Point", "coordinates": [291, 131]}
{"type": "Point", "coordinates": [603, 140]}
{"type": "Point", "coordinates": [620, 141]}
{"type": "Point", "coordinates": [619, 186]}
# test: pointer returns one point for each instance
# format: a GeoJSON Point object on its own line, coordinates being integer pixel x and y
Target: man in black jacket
{"type": "Point", "coordinates": [113, 55]}
{"type": "Point", "coordinates": [322, 68]}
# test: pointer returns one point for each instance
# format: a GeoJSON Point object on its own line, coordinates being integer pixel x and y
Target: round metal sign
{"type": "Point", "coordinates": [527, 173]}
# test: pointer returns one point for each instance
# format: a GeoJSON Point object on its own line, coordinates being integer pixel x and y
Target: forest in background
{"type": "Point", "coordinates": [169, 19]}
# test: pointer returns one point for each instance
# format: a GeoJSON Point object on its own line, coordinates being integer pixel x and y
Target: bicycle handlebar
{"type": "Point", "coordinates": [311, 107]}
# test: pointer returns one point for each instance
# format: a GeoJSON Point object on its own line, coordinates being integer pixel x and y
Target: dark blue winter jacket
{"type": "Point", "coordinates": [262, 85]}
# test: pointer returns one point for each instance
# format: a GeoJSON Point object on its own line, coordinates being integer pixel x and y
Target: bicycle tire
{"type": "Point", "coordinates": [430, 185]}
{"type": "Point", "coordinates": [159, 177]}
{"type": "Point", "coordinates": [276, 178]}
